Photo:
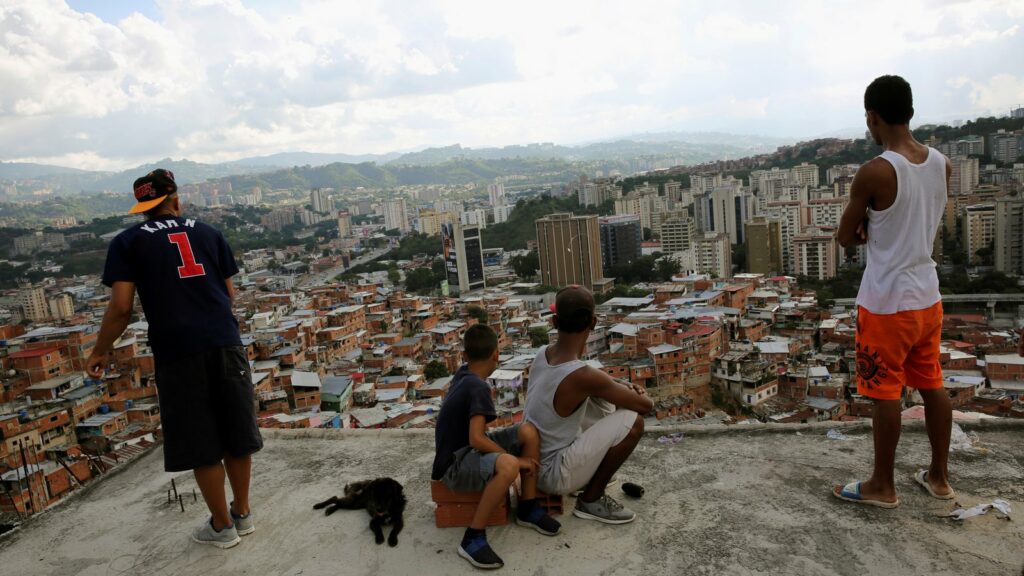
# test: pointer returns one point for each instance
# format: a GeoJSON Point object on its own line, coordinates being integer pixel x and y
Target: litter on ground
{"type": "Point", "coordinates": [671, 438]}
{"type": "Point", "coordinates": [999, 505]}
{"type": "Point", "coordinates": [834, 434]}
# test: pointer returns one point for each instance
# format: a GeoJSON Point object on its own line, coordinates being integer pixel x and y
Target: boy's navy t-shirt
{"type": "Point", "coordinates": [178, 266]}
{"type": "Point", "coordinates": [467, 396]}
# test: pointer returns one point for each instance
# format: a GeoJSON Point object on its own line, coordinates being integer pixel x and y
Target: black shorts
{"type": "Point", "coordinates": [207, 408]}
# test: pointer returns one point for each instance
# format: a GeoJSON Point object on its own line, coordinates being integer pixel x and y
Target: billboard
{"type": "Point", "coordinates": [448, 252]}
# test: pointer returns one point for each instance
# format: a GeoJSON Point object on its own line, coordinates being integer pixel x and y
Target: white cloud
{"type": "Point", "coordinates": [996, 95]}
{"type": "Point", "coordinates": [221, 79]}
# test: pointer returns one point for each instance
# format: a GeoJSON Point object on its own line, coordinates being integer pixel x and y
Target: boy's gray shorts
{"type": "Point", "coordinates": [471, 470]}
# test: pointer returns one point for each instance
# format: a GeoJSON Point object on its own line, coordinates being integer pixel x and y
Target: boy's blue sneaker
{"type": "Point", "coordinates": [243, 524]}
{"type": "Point", "coordinates": [540, 521]}
{"type": "Point", "coordinates": [478, 553]}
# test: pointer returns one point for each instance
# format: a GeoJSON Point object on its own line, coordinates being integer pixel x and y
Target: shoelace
{"type": "Point", "coordinates": [610, 503]}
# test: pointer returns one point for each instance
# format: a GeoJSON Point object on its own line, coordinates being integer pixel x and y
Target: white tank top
{"type": "Point", "coordinates": [900, 274]}
{"type": "Point", "coordinates": [556, 432]}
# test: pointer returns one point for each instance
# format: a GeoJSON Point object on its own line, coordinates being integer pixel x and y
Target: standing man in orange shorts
{"type": "Point", "coordinates": [896, 204]}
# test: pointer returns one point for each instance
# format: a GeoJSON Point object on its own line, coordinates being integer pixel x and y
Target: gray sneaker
{"type": "Point", "coordinates": [205, 534]}
{"type": "Point", "coordinates": [243, 524]}
{"type": "Point", "coordinates": [604, 509]}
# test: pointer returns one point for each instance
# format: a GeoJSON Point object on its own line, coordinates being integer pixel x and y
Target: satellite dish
{"type": "Point", "coordinates": [12, 372]}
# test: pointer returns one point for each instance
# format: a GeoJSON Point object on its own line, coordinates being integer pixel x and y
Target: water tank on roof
{"type": "Point", "coordinates": [104, 409]}
{"type": "Point", "coordinates": [129, 403]}
{"type": "Point", "coordinates": [23, 415]}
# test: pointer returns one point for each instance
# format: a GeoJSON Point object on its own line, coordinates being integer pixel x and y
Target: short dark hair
{"type": "Point", "coordinates": [574, 309]}
{"type": "Point", "coordinates": [160, 208]}
{"type": "Point", "coordinates": [890, 97]}
{"type": "Point", "coordinates": [480, 342]}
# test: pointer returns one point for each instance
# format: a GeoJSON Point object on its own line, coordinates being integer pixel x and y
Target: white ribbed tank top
{"type": "Point", "coordinates": [900, 273]}
{"type": "Point", "coordinates": [556, 432]}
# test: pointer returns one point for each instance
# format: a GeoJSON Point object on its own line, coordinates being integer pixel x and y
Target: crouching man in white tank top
{"type": "Point", "coordinates": [576, 452]}
{"type": "Point", "coordinates": [896, 204]}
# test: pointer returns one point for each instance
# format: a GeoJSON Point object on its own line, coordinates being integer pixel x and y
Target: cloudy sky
{"type": "Point", "coordinates": [110, 84]}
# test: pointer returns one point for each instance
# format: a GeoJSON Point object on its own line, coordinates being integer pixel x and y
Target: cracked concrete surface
{"type": "Point", "coordinates": [752, 500]}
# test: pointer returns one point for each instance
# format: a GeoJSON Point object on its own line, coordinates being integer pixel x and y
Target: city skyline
{"type": "Point", "coordinates": [107, 85]}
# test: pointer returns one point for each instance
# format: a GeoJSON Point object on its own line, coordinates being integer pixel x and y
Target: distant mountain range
{"type": "Point", "coordinates": [701, 147]}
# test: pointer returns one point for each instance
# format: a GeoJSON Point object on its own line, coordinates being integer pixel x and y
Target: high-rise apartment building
{"type": "Point", "coordinates": [701, 183]}
{"type": "Point", "coordinates": [840, 171]}
{"type": "Point", "coordinates": [805, 175]}
{"type": "Point", "coordinates": [966, 146]}
{"type": "Point", "coordinates": [496, 194]}
{"type": "Point", "coordinates": [642, 202]}
{"type": "Point", "coordinates": [764, 246]}
{"type": "Point", "coordinates": [620, 239]}
{"type": "Point", "coordinates": [714, 254]}
{"type": "Point", "coordinates": [33, 303]}
{"type": "Point", "coordinates": [673, 191]}
{"type": "Point", "coordinates": [475, 217]}
{"type": "Point", "coordinates": [1009, 235]}
{"type": "Point", "coordinates": [1005, 146]}
{"type": "Point", "coordinates": [395, 216]}
{"type": "Point", "coordinates": [791, 216]}
{"type": "Point", "coordinates": [965, 175]}
{"type": "Point", "coordinates": [429, 222]}
{"type": "Point", "coordinates": [344, 224]}
{"type": "Point", "coordinates": [826, 211]}
{"type": "Point", "coordinates": [321, 201]}
{"type": "Point", "coordinates": [462, 250]}
{"type": "Point", "coordinates": [979, 231]}
{"type": "Point", "coordinates": [677, 233]}
{"type": "Point", "coordinates": [816, 253]}
{"type": "Point", "coordinates": [569, 248]}
{"type": "Point", "coordinates": [727, 207]}
{"type": "Point", "coordinates": [501, 213]}
{"type": "Point", "coordinates": [62, 306]}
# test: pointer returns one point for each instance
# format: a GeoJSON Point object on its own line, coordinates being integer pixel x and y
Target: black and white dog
{"type": "Point", "coordinates": [382, 498]}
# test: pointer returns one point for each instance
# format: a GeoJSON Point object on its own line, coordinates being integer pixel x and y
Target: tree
{"type": "Point", "coordinates": [648, 234]}
{"type": "Point", "coordinates": [420, 281]}
{"type": "Point", "coordinates": [477, 312]}
{"type": "Point", "coordinates": [393, 275]}
{"type": "Point", "coordinates": [666, 268]}
{"type": "Point", "coordinates": [538, 337]}
{"type": "Point", "coordinates": [525, 266]}
{"type": "Point", "coordinates": [739, 257]}
{"type": "Point", "coordinates": [435, 369]}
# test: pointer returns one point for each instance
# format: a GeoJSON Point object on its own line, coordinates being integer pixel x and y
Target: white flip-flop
{"type": "Point", "coordinates": [851, 493]}
{"type": "Point", "coordinates": [921, 477]}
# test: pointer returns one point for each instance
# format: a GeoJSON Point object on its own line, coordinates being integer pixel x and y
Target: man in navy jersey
{"type": "Point", "coordinates": [182, 270]}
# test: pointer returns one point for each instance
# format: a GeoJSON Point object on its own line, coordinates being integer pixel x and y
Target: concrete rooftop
{"type": "Point", "coordinates": [750, 500]}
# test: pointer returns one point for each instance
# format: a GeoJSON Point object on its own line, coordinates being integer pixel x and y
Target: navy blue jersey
{"type": "Point", "coordinates": [467, 396]}
{"type": "Point", "coordinates": [178, 266]}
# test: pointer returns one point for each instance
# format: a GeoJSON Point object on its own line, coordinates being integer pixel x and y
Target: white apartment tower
{"type": "Point", "coordinates": [1009, 247]}
{"type": "Point", "coordinates": [496, 194]}
{"type": "Point", "coordinates": [395, 216]}
{"type": "Point", "coordinates": [816, 253]}
{"type": "Point", "coordinates": [33, 303]}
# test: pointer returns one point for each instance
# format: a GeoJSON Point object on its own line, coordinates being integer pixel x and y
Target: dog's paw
{"type": "Point", "coordinates": [379, 538]}
{"type": "Point", "coordinates": [392, 541]}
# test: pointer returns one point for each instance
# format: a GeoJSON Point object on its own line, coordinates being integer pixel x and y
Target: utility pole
{"type": "Point", "coordinates": [28, 477]}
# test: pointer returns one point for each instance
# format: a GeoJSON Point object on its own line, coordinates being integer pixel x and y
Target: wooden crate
{"type": "Point", "coordinates": [456, 509]}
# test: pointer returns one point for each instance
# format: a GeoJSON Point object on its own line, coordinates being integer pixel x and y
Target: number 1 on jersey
{"type": "Point", "coordinates": [189, 267]}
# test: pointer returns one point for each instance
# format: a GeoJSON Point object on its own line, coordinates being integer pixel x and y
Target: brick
{"type": "Point", "coordinates": [460, 515]}
{"type": "Point", "coordinates": [551, 503]}
{"type": "Point", "coordinates": [456, 509]}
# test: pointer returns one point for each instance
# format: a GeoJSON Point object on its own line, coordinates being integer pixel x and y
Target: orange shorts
{"type": "Point", "coordinates": [896, 350]}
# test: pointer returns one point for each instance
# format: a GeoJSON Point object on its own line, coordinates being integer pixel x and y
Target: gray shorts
{"type": "Point", "coordinates": [572, 468]}
{"type": "Point", "coordinates": [471, 470]}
